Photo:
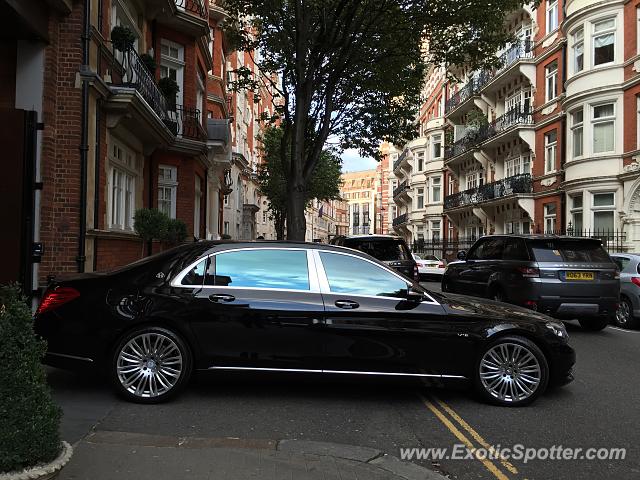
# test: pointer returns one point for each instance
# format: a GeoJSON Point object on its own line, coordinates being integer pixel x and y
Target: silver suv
{"type": "Point", "coordinates": [565, 277]}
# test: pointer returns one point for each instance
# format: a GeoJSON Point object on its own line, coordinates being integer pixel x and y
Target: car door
{"type": "Point", "coordinates": [371, 325]}
{"type": "Point", "coordinates": [258, 308]}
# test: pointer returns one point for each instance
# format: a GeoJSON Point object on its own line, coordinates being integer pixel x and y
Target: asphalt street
{"type": "Point", "coordinates": [599, 409]}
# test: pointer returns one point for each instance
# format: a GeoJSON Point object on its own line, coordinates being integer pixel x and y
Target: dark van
{"type": "Point", "coordinates": [565, 277]}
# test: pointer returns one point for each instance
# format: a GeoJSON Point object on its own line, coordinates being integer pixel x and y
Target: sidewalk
{"type": "Point", "coordinates": [107, 455]}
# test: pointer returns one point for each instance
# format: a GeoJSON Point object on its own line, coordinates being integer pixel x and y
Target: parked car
{"type": "Point", "coordinates": [291, 308]}
{"type": "Point", "coordinates": [628, 314]}
{"type": "Point", "coordinates": [429, 266]}
{"type": "Point", "coordinates": [565, 277]}
{"type": "Point", "coordinates": [388, 249]}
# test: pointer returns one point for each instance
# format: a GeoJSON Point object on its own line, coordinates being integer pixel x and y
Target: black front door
{"type": "Point", "coordinates": [257, 310]}
{"type": "Point", "coordinates": [370, 327]}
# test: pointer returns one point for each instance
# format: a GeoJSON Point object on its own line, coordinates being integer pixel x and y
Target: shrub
{"type": "Point", "coordinates": [176, 231]}
{"type": "Point", "coordinates": [29, 419]}
{"type": "Point", "coordinates": [122, 38]}
{"type": "Point", "coordinates": [149, 224]}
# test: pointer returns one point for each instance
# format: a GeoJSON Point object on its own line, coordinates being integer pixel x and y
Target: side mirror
{"type": "Point", "coordinates": [462, 255]}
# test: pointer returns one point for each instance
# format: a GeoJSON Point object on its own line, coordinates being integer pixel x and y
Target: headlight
{"type": "Point", "coordinates": [558, 329]}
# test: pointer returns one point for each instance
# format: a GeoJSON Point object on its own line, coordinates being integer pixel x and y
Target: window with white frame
{"type": "Point", "coordinates": [172, 66]}
{"type": "Point", "coordinates": [577, 220]}
{"type": "Point", "coordinates": [603, 210]}
{"type": "Point", "coordinates": [123, 174]}
{"type": "Point", "coordinates": [197, 206]}
{"type": "Point", "coordinates": [578, 50]}
{"type": "Point", "coordinates": [604, 41]}
{"type": "Point", "coordinates": [167, 190]}
{"type": "Point", "coordinates": [436, 146]}
{"type": "Point", "coordinates": [550, 149]}
{"type": "Point", "coordinates": [604, 127]}
{"type": "Point", "coordinates": [435, 230]}
{"type": "Point", "coordinates": [436, 189]}
{"type": "Point", "coordinates": [518, 165]}
{"type": "Point", "coordinates": [551, 75]}
{"type": "Point", "coordinates": [577, 132]}
{"type": "Point", "coordinates": [549, 218]}
{"type": "Point", "coordinates": [420, 198]}
{"type": "Point", "coordinates": [552, 15]}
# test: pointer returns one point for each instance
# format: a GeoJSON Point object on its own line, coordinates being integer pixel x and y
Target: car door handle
{"type": "Point", "coordinates": [347, 304]}
{"type": "Point", "coordinates": [215, 297]}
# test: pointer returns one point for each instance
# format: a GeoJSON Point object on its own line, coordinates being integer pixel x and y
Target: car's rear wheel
{"type": "Point", "coordinates": [150, 365]}
{"type": "Point", "coordinates": [594, 324]}
{"type": "Point", "coordinates": [511, 371]}
{"type": "Point", "coordinates": [624, 315]}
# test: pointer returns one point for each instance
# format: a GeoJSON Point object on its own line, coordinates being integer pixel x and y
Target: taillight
{"type": "Point", "coordinates": [636, 281]}
{"type": "Point", "coordinates": [529, 272]}
{"type": "Point", "coordinates": [57, 297]}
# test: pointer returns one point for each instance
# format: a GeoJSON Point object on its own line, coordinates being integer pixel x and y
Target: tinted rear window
{"type": "Point", "coordinates": [569, 251]}
{"type": "Point", "coordinates": [385, 250]}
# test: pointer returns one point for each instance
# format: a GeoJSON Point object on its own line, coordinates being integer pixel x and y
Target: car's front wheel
{"type": "Point", "coordinates": [150, 365]}
{"type": "Point", "coordinates": [594, 324]}
{"type": "Point", "coordinates": [511, 371]}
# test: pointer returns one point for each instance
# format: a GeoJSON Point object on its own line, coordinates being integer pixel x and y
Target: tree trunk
{"type": "Point", "coordinates": [296, 223]}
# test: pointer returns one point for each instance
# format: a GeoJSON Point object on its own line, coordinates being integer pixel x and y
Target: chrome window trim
{"type": "Point", "coordinates": [313, 280]}
{"type": "Point", "coordinates": [324, 281]}
{"type": "Point", "coordinates": [342, 372]}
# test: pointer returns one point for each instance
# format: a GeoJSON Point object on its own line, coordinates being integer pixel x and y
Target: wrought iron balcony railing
{"type": "Point", "coordinates": [400, 188]}
{"type": "Point", "coordinates": [502, 188]}
{"type": "Point", "coordinates": [475, 136]}
{"type": "Point", "coordinates": [195, 7]}
{"type": "Point", "coordinates": [130, 71]}
{"type": "Point", "coordinates": [400, 220]}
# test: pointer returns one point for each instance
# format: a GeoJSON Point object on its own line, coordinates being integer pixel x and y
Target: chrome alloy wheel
{"type": "Point", "coordinates": [510, 372]}
{"type": "Point", "coordinates": [149, 365]}
{"type": "Point", "coordinates": [623, 314]}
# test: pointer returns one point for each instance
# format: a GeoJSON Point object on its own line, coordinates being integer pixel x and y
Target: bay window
{"type": "Point", "coordinates": [603, 122]}
{"type": "Point", "coordinates": [604, 39]}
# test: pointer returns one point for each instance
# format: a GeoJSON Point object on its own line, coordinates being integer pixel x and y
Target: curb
{"type": "Point", "coordinates": [365, 456]}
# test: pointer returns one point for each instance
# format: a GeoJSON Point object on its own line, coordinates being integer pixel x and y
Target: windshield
{"type": "Point", "coordinates": [576, 251]}
{"type": "Point", "coordinates": [385, 250]}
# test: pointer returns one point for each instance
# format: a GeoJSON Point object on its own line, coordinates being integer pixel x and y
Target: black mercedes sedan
{"type": "Point", "coordinates": [291, 307]}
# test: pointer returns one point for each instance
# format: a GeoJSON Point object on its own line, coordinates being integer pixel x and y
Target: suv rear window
{"type": "Point", "coordinates": [576, 251]}
{"type": "Point", "coordinates": [385, 250]}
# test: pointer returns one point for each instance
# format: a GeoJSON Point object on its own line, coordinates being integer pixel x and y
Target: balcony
{"type": "Point", "coordinates": [491, 191]}
{"type": "Point", "coordinates": [404, 186]}
{"type": "Point", "coordinates": [400, 220]}
{"type": "Point", "coordinates": [513, 118]}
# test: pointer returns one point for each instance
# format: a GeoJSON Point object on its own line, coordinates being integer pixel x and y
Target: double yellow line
{"type": "Point", "coordinates": [441, 409]}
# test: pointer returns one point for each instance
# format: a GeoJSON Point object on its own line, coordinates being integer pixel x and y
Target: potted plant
{"type": "Point", "coordinates": [150, 224]}
{"type": "Point", "coordinates": [122, 38]}
{"type": "Point", "coordinates": [30, 446]}
{"type": "Point", "coordinates": [149, 62]}
{"type": "Point", "coordinates": [176, 231]}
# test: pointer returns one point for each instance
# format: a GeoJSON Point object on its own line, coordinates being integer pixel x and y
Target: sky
{"type": "Point", "coordinates": [352, 161]}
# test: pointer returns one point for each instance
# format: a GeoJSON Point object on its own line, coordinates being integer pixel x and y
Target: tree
{"type": "Point", "coordinates": [354, 69]}
{"type": "Point", "coordinates": [323, 185]}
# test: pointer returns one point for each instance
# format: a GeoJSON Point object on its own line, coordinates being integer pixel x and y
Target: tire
{"type": "Point", "coordinates": [150, 365]}
{"type": "Point", "coordinates": [594, 324]}
{"type": "Point", "coordinates": [624, 316]}
{"type": "Point", "coordinates": [502, 381]}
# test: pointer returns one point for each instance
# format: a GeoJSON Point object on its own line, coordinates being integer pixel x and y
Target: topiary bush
{"type": "Point", "coordinates": [29, 419]}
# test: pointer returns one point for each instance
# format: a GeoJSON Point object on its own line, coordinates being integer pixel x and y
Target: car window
{"type": "Point", "coordinates": [267, 268]}
{"type": "Point", "coordinates": [515, 249]}
{"type": "Point", "coordinates": [347, 274]}
{"type": "Point", "coordinates": [555, 250]}
{"type": "Point", "coordinates": [622, 262]}
{"type": "Point", "coordinates": [385, 250]}
{"type": "Point", "coordinates": [195, 276]}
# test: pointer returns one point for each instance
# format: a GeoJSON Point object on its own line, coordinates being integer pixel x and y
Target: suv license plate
{"type": "Point", "coordinates": [584, 276]}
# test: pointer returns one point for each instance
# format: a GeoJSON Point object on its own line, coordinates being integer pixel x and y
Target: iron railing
{"type": "Point", "coordinates": [400, 188]}
{"type": "Point", "coordinates": [185, 122]}
{"type": "Point", "coordinates": [196, 7]}
{"type": "Point", "coordinates": [400, 220]}
{"type": "Point", "coordinates": [502, 188]}
{"type": "Point", "coordinates": [475, 136]}
{"type": "Point", "coordinates": [130, 71]}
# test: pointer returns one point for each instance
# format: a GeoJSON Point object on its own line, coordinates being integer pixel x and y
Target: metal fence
{"type": "Point", "coordinates": [614, 241]}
